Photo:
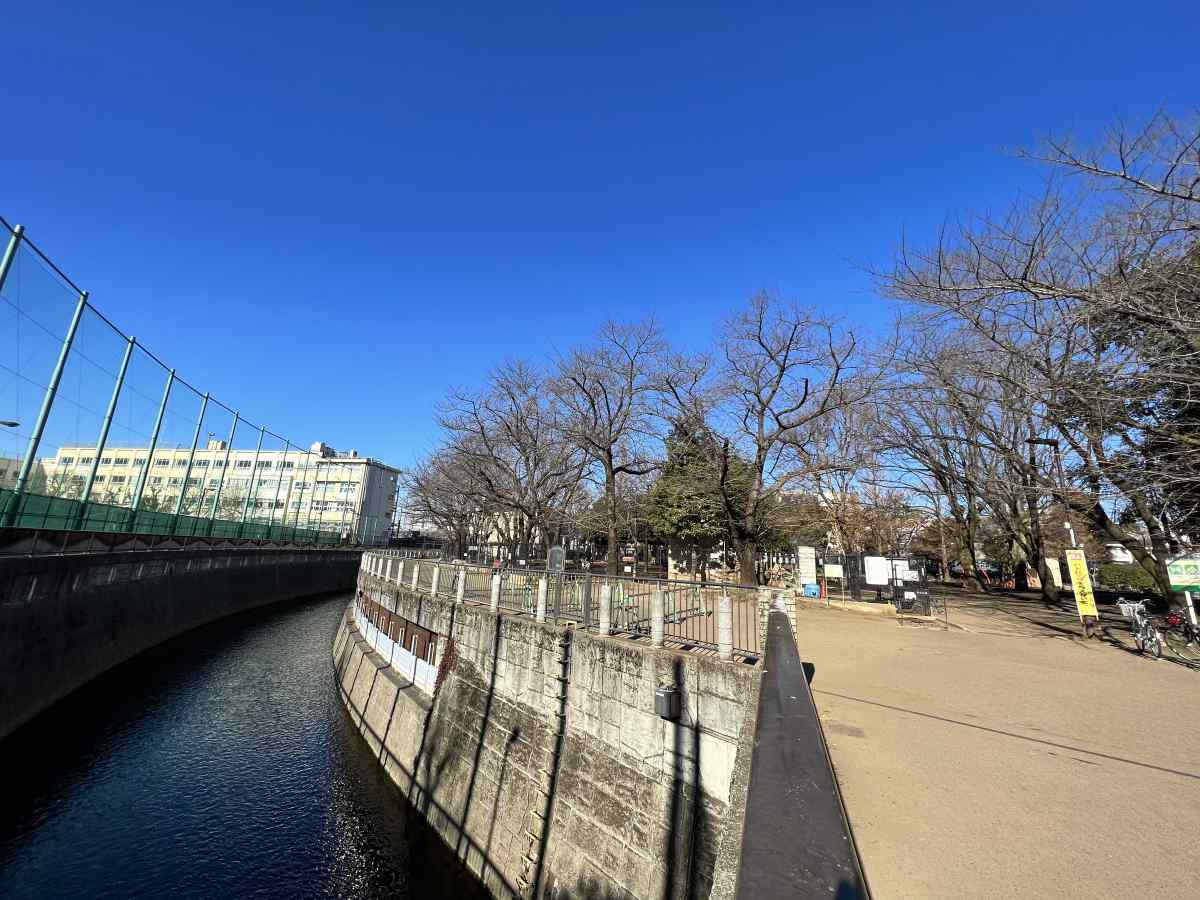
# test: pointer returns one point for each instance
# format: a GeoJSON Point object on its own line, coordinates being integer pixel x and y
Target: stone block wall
{"type": "Point", "coordinates": [540, 759]}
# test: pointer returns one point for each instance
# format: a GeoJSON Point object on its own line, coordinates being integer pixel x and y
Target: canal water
{"type": "Point", "coordinates": [222, 764]}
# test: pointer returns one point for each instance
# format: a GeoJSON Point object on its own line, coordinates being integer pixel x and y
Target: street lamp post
{"type": "Point", "coordinates": [1091, 623]}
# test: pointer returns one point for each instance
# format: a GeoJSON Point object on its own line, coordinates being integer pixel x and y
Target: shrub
{"type": "Point", "coordinates": [1125, 576]}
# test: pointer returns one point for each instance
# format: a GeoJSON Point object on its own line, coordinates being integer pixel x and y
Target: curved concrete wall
{"type": "Point", "coordinates": [539, 757]}
{"type": "Point", "coordinates": [66, 619]}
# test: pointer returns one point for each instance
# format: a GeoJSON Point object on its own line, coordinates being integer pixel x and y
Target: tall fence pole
{"type": "Point", "coordinates": [278, 482]}
{"type": "Point", "coordinates": [187, 474]}
{"type": "Point", "coordinates": [102, 440]}
{"type": "Point", "coordinates": [262, 431]}
{"type": "Point", "coordinates": [221, 480]}
{"type": "Point", "coordinates": [341, 491]}
{"type": "Point", "coordinates": [144, 476]}
{"type": "Point", "coordinates": [39, 426]}
{"type": "Point", "coordinates": [300, 499]}
{"type": "Point", "coordinates": [324, 495]}
{"type": "Point", "coordinates": [10, 252]}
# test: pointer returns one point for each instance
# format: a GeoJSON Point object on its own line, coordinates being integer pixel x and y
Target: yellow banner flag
{"type": "Point", "coordinates": [1085, 600]}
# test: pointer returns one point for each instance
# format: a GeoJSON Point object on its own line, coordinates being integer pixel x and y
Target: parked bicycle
{"type": "Point", "coordinates": [1145, 636]}
{"type": "Point", "coordinates": [1181, 634]}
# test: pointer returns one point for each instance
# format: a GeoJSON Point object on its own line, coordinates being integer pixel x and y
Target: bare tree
{"type": "Point", "coordinates": [1083, 307]}
{"type": "Point", "coordinates": [607, 391]}
{"type": "Point", "coordinates": [783, 372]}
{"type": "Point", "coordinates": [443, 490]}
{"type": "Point", "coordinates": [523, 465]}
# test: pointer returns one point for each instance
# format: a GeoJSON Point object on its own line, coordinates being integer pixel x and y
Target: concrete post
{"type": "Point", "coordinates": [541, 599]}
{"type": "Point", "coordinates": [416, 573]}
{"type": "Point", "coordinates": [437, 576]}
{"type": "Point", "coordinates": [462, 584]}
{"type": "Point", "coordinates": [725, 627]}
{"type": "Point", "coordinates": [656, 617]}
{"type": "Point", "coordinates": [496, 593]}
{"type": "Point", "coordinates": [764, 611]}
{"type": "Point", "coordinates": [605, 609]}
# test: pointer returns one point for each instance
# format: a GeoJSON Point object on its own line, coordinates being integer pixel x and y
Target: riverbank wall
{"type": "Point", "coordinates": [536, 751]}
{"type": "Point", "coordinates": [64, 620]}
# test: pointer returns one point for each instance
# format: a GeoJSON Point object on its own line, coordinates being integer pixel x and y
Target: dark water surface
{"type": "Point", "coordinates": [222, 764]}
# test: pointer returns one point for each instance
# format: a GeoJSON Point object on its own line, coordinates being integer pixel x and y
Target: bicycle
{"type": "Point", "coordinates": [1181, 634]}
{"type": "Point", "coordinates": [1145, 636]}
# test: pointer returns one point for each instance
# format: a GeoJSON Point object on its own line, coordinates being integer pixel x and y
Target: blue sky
{"type": "Point", "coordinates": [327, 215]}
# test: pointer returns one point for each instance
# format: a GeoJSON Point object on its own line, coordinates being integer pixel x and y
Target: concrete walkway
{"type": "Point", "coordinates": [1011, 761]}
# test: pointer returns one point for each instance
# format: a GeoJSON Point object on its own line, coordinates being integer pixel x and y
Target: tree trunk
{"type": "Point", "coordinates": [747, 553]}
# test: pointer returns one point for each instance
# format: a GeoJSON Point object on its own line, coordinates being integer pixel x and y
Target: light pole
{"type": "Point", "coordinates": [1052, 443]}
{"type": "Point", "coordinates": [1090, 619]}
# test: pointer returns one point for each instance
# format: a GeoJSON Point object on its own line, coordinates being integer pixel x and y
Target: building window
{"type": "Point", "coordinates": [218, 464]}
{"type": "Point", "coordinates": [162, 462]}
{"type": "Point", "coordinates": [139, 462]}
{"type": "Point", "coordinates": [121, 461]}
{"type": "Point", "coordinates": [181, 463]}
{"type": "Point", "coordinates": [156, 480]}
{"type": "Point", "coordinates": [106, 460]}
{"type": "Point", "coordinates": [264, 464]}
{"type": "Point", "coordinates": [243, 464]}
{"type": "Point", "coordinates": [200, 464]}
{"type": "Point", "coordinates": [99, 479]}
{"type": "Point", "coordinates": [66, 460]}
{"type": "Point", "coordinates": [118, 479]}
{"type": "Point", "coordinates": [287, 464]}
{"type": "Point", "coordinates": [173, 481]}
{"type": "Point", "coordinates": [213, 482]}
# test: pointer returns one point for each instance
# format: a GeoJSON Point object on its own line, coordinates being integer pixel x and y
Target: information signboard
{"type": "Point", "coordinates": [877, 570]}
{"type": "Point", "coordinates": [1184, 573]}
{"type": "Point", "coordinates": [833, 570]}
{"type": "Point", "coordinates": [807, 568]}
{"type": "Point", "coordinates": [1085, 600]}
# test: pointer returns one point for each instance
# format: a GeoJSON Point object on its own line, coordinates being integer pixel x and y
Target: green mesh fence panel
{"type": "Point", "coordinates": [36, 511]}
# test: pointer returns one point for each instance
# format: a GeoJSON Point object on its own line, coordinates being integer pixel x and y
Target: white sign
{"type": "Point", "coordinates": [807, 573]}
{"type": "Point", "coordinates": [1055, 570]}
{"type": "Point", "coordinates": [878, 569]}
{"type": "Point", "coordinates": [833, 570]}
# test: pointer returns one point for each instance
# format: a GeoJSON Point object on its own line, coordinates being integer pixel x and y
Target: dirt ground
{"type": "Point", "coordinates": [1008, 757]}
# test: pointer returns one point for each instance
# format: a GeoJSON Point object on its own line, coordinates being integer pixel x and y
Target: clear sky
{"type": "Point", "coordinates": [326, 215]}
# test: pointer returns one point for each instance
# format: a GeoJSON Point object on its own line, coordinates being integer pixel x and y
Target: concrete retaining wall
{"type": "Point", "coordinates": [66, 619]}
{"type": "Point", "coordinates": [539, 758]}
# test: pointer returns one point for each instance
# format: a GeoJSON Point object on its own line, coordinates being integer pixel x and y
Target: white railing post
{"type": "Point", "coordinates": [725, 627]}
{"type": "Point", "coordinates": [496, 592]}
{"type": "Point", "coordinates": [462, 584]}
{"type": "Point", "coordinates": [416, 573]}
{"type": "Point", "coordinates": [656, 617]}
{"type": "Point", "coordinates": [541, 599]}
{"type": "Point", "coordinates": [437, 576]}
{"type": "Point", "coordinates": [606, 608]}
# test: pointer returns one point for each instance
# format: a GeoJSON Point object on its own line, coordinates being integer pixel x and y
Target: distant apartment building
{"type": "Point", "coordinates": [321, 488]}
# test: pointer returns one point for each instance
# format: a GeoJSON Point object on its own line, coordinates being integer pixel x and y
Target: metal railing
{"type": "Point", "coordinates": [680, 614]}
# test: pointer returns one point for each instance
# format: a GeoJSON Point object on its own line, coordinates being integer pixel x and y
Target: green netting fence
{"type": "Point", "coordinates": [40, 512]}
